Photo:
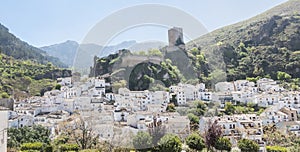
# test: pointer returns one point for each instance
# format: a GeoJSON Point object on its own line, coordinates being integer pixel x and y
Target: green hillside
{"type": "Point", "coordinates": [258, 47]}
{"type": "Point", "coordinates": [23, 78]}
{"type": "Point", "coordinates": [12, 46]}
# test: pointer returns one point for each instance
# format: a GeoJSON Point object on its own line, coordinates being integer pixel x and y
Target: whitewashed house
{"type": "Point", "coordinates": [224, 87]}
{"type": "Point", "coordinates": [67, 81]}
{"type": "Point", "coordinates": [3, 129]}
{"type": "Point", "coordinates": [234, 127]}
{"type": "Point", "coordinates": [179, 125]}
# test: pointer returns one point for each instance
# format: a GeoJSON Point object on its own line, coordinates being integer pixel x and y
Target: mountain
{"type": "Point", "coordinates": [258, 47]}
{"type": "Point", "coordinates": [13, 46]}
{"type": "Point", "coordinates": [66, 51]}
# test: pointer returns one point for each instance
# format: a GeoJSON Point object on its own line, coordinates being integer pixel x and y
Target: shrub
{"type": "Point", "coordinates": [69, 147]}
{"type": "Point", "coordinates": [32, 146]}
{"type": "Point", "coordinates": [276, 149]}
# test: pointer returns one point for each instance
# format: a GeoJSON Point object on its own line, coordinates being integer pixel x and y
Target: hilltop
{"type": "Point", "coordinates": [12, 46]}
{"type": "Point", "coordinates": [260, 46]}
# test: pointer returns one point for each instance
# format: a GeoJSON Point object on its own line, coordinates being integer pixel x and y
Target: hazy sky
{"type": "Point", "coordinates": [53, 21]}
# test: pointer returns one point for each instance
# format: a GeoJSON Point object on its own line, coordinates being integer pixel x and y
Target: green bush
{"type": "Point", "coordinates": [276, 149]}
{"type": "Point", "coordinates": [169, 143]}
{"type": "Point", "coordinates": [57, 87]}
{"type": "Point", "coordinates": [32, 146]}
{"type": "Point", "coordinates": [195, 141]}
{"type": "Point", "coordinates": [69, 147]}
{"type": "Point", "coordinates": [4, 95]}
{"type": "Point", "coordinates": [247, 145]}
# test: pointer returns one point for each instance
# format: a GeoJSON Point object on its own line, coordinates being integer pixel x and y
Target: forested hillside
{"type": "Point", "coordinates": [23, 78]}
{"type": "Point", "coordinates": [261, 46]}
{"type": "Point", "coordinates": [13, 46]}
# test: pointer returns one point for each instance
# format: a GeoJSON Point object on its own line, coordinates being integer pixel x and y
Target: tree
{"type": "Point", "coordinates": [155, 52]}
{"type": "Point", "coordinates": [171, 107]}
{"type": "Point", "coordinates": [200, 108]}
{"type": "Point", "coordinates": [4, 95]}
{"type": "Point", "coordinates": [142, 141]}
{"type": "Point", "coordinates": [212, 134]}
{"type": "Point", "coordinates": [229, 108]}
{"type": "Point", "coordinates": [247, 145]}
{"type": "Point", "coordinates": [283, 76]}
{"type": "Point", "coordinates": [223, 144]}
{"type": "Point", "coordinates": [19, 136]}
{"type": "Point", "coordinates": [119, 84]}
{"type": "Point", "coordinates": [57, 87]}
{"type": "Point", "coordinates": [170, 143]}
{"type": "Point", "coordinates": [194, 121]}
{"type": "Point", "coordinates": [195, 141]}
{"type": "Point", "coordinates": [157, 132]}
{"type": "Point", "coordinates": [82, 133]}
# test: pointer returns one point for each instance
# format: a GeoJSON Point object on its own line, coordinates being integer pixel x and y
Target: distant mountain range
{"type": "Point", "coordinates": [12, 46]}
{"type": "Point", "coordinates": [66, 51]}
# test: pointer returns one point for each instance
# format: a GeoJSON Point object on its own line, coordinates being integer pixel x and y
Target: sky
{"type": "Point", "coordinates": [42, 23]}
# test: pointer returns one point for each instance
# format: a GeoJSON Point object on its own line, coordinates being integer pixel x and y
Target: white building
{"type": "Point", "coordinates": [235, 127]}
{"type": "Point", "coordinates": [22, 121]}
{"type": "Point", "coordinates": [3, 129]}
{"type": "Point", "coordinates": [224, 86]}
{"type": "Point", "coordinates": [289, 127]}
{"type": "Point", "coordinates": [65, 81]}
{"type": "Point", "coordinates": [179, 125]}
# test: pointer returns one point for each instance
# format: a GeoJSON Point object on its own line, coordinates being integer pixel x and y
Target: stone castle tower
{"type": "Point", "coordinates": [175, 36]}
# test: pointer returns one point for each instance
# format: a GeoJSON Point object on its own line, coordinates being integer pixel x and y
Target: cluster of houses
{"type": "Point", "coordinates": [106, 112]}
{"type": "Point", "coordinates": [115, 115]}
{"type": "Point", "coordinates": [282, 109]}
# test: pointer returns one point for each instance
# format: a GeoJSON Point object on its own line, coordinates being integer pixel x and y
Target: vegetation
{"type": "Point", "coordinates": [274, 137]}
{"type": "Point", "coordinates": [247, 145]}
{"type": "Point", "coordinates": [26, 78]}
{"type": "Point", "coordinates": [12, 46]}
{"type": "Point", "coordinates": [32, 146]}
{"type": "Point", "coordinates": [259, 47]}
{"type": "Point", "coordinates": [69, 147]}
{"type": "Point", "coordinates": [118, 84]}
{"type": "Point", "coordinates": [33, 136]}
{"type": "Point", "coordinates": [151, 72]}
{"type": "Point", "coordinates": [142, 141]}
{"type": "Point", "coordinates": [276, 149]}
{"type": "Point", "coordinates": [157, 132]}
{"type": "Point", "coordinates": [223, 144]}
{"type": "Point", "coordinates": [170, 143]}
{"type": "Point", "coordinates": [195, 141]}
{"type": "Point", "coordinates": [171, 107]}
{"type": "Point", "coordinates": [241, 108]}
{"type": "Point", "coordinates": [152, 52]}
{"type": "Point", "coordinates": [212, 133]}
{"type": "Point", "coordinates": [82, 134]}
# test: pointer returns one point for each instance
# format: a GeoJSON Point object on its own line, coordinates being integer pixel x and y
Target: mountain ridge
{"type": "Point", "coordinates": [13, 46]}
{"type": "Point", "coordinates": [259, 46]}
